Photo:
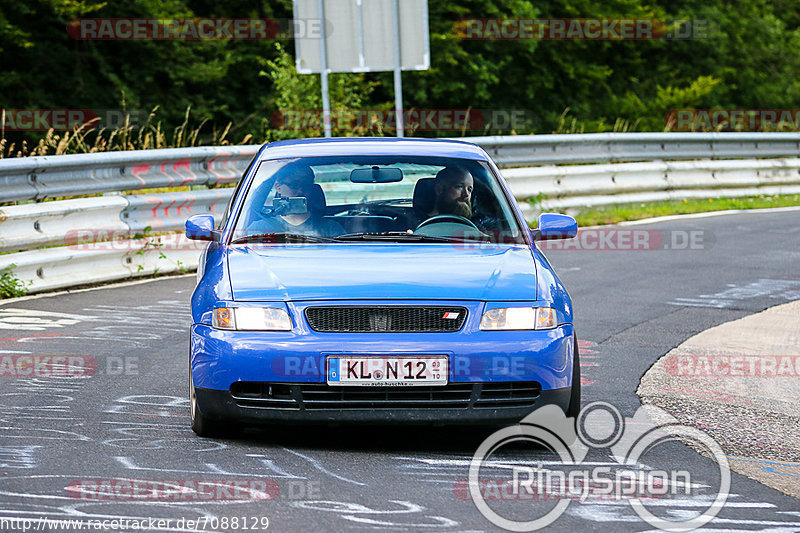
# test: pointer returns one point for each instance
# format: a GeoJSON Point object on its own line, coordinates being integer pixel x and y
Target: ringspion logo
{"type": "Point", "coordinates": [631, 474]}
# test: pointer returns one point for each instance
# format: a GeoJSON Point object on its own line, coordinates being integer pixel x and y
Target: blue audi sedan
{"type": "Point", "coordinates": [377, 280]}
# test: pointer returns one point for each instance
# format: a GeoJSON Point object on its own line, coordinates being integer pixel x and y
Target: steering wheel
{"type": "Point", "coordinates": [448, 218]}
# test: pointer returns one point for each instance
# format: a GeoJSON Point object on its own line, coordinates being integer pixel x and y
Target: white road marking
{"type": "Point", "coordinates": [441, 522]}
{"type": "Point", "coordinates": [322, 469]}
{"type": "Point", "coordinates": [786, 289]}
{"type": "Point", "coordinates": [18, 456]}
{"type": "Point", "coordinates": [270, 464]}
{"type": "Point", "coordinates": [31, 433]}
{"type": "Point", "coordinates": [211, 468]}
{"type": "Point", "coordinates": [355, 511]}
{"type": "Point", "coordinates": [34, 320]}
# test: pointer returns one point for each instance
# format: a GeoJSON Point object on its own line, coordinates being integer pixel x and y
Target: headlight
{"type": "Point", "coordinates": [519, 318]}
{"type": "Point", "coordinates": [252, 319]}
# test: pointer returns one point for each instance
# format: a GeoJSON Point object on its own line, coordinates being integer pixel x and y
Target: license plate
{"type": "Point", "coordinates": [387, 371]}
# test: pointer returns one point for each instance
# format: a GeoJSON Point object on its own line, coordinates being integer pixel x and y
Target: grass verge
{"type": "Point", "coordinates": [612, 214]}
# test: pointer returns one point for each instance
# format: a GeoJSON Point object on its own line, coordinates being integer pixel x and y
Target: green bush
{"type": "Point", "coordinates": [10, 286]}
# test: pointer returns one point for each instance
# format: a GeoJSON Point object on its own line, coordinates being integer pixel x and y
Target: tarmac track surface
{"type": "Point", "coordinates": [62, 437]}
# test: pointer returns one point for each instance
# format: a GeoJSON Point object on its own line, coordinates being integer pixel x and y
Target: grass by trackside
{"type": "Point", "coordinates": [90, 138]}
{"type": "Point", "coordinates": [612, 214]}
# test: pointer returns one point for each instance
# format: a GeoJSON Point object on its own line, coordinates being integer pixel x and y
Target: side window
{"type": "Point", "coordinates": [236, 190]}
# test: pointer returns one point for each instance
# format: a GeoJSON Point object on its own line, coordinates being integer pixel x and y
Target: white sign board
{"type": "Point", "coordinates": [359, 35]}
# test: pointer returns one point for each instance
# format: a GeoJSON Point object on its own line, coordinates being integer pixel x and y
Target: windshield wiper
{"type": "Point", "coordinates": [393, 236]}
{"type": "Point", "coordinates": [280, 238]}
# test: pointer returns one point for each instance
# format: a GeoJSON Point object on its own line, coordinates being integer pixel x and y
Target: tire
{"type": "Point", "coordinates": [575, 394]}
{"type": "Point", "coordinates": [201, 424]}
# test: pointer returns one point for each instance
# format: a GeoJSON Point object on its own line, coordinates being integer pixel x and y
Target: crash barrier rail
{"type": "Point", "coordinates": [37, 178]}
{"type": "Point", "coordinates": [534, 150]}
{"type": "Point", "coordinates": [565, 187]}
{"type": "Point", "coordinates": [64, 243]}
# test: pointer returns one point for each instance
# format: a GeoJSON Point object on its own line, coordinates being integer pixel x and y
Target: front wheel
{"type": "Point", "coordinates": [201, 424]}
{"type": "Point", "coordinates": [575, 394]}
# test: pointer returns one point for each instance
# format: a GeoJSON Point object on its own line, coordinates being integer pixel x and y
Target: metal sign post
{"type": "Point", "coordinates": [323, 54]}
{"type": "Point", "coordinates": [362, 36]}
{"type": "Point", "coordinates": [398, 79]}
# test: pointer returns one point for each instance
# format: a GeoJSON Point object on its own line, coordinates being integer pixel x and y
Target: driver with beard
{"type": "Point", "coordinates": [453, 187]}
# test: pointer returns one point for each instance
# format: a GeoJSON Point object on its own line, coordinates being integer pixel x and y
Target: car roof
{"type": "Point", "coordinates": [322, 147]}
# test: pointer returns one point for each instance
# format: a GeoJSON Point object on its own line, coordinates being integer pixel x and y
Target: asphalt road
{"type": "Point", "coordinates": [117, 413]}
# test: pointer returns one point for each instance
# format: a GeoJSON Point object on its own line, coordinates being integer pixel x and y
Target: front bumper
{"type": "Point", "coordinates": [531, 368]}
{"type": "Point", "coordinates": [221, 405]}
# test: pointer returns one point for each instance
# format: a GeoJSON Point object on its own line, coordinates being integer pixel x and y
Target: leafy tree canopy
{"type": "Point", "coordinates": [743, 57]}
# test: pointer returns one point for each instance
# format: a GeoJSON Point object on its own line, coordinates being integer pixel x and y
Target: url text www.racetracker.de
{"type": "Point", "coordinates": [211, 523]}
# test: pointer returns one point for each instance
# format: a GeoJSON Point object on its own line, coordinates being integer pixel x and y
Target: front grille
{"type": "Point", "coordinates": [319, 396]}
{"type": "Point", "coordinates": [405, 319]}
{"type": "Point", "coordinates": [508, 394]}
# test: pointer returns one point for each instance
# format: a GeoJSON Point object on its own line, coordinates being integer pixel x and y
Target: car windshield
{"type": "Point", "coordinates": [376, 198]}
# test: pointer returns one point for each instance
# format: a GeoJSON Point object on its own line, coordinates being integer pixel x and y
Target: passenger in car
{"type": "Point", "coordinates": [298, 181]}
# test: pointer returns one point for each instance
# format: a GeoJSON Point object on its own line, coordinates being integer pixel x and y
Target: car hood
{"type": "Point", "coordinates": [356, 271]}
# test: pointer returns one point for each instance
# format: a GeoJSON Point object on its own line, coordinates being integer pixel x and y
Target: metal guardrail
{"type": "Point", "coordinates": [591, 185]}
{"type": "Point", "coordinates": [79, 264]}
{"type": "Point", "coordinates": [595, 185]}
{"type": "Point", "coordinates": [553, 165]}
{"type": "Point", "coordinates": [534, 150]}
{"type": "Point", "coordinates": [24, 227]}
{"type": "Point", "coordinates": [66, 222]}
{"type": "Point", "coordinates": [169, 211]}
{"type": "Point", "coordinates": [36, 178]}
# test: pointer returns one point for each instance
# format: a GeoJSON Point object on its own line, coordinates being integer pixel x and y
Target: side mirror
{"type": "Point", "coordinates": [555, 226]}
{"type": "Point", "coordinates": [201, 228]}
